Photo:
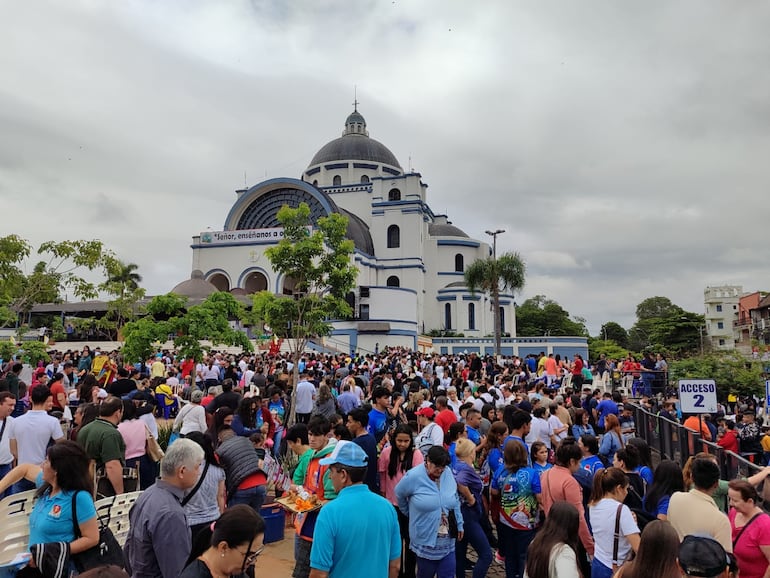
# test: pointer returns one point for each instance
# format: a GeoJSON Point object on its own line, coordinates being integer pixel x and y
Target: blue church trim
{"type": "Point", "coordinates": [250, 270]}
{"type": "Point", "coordinates": [336, 166]}
{"type": "Point", "coordinates": [364, 166]}
{"type": "Point", "coordinates": [458, 243]}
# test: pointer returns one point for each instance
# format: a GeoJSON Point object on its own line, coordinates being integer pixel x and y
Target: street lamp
{"type": "Point", "coordinates": [495, 288]}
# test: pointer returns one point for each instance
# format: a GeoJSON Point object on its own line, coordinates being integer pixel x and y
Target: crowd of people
{"type": "Point", "coordinates": [419, 457]}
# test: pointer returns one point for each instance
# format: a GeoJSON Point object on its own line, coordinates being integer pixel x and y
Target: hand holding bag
{"type": "Point", "coordinates": [151, 446]}
{"type": "Point", "coordinates": [106, 553]}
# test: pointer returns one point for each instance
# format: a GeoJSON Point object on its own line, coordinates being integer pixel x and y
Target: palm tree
{"type": "Point", "coordinates": [126, 276]}
{"type": "Point", "coordinates": [489, 275]}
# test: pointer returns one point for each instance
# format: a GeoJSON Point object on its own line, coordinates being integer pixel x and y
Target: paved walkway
{"type": "Point", "coordinates": [277, 561]}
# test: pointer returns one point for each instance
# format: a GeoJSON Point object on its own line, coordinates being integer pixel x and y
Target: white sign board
{"type": "Point", "coordinates": [698, 395]}
{"type": "Point", "coordinates": [244, 235]}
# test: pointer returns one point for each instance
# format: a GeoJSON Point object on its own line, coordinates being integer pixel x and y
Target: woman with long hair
{"type": "Point", "coordinates": [396, 459]}
{"type": "Point", "coordinates": [84, 414]}
{"type": "Point", "coordinates": [470, 487]}
{"type": "Point", "coordinates": [657, 554]}
{"type": "Point", "coordinates": [227, 547]}
{"type": "Point", "coordinates": [582, 427]}
{"type": "Point", "coordinates": [245, 419]}
{"type": "Point", "coordinates": [607, 511]}
{"type": "Point", "coordinates": [134, 434]}
{"type": "Point", "coordinates": [64, 475]}
{"type": "Point", "coordinates": [324, 403]}
{"type": "Point", "coordinates": [667, 480]}
{"type": "Point", "coordinates": [223, 417]}
{"type": "Point", "coordinates": [553, 552]}
{"type": "Point", "coordinates": [612, 440]}
{"type": "Point", "coordinates": [750, 527]}
{"type": "Point", "coordinates": [519, 489]}
{"type": "Point", "coordinates": [206, 501]}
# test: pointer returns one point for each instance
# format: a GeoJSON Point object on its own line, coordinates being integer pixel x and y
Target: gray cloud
{"type": "Point", "coordinates": [622, 146]}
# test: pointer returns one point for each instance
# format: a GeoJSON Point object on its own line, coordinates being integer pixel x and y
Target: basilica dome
{"type": "Point", "coordinates": [355, 144]}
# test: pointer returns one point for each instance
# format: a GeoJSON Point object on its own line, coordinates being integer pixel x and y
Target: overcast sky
{"type": "Point", "coordinates": [624, 146]}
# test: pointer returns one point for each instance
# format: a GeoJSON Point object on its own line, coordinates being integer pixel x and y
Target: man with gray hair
{"type": "Point", "coordinates": [158, 541]}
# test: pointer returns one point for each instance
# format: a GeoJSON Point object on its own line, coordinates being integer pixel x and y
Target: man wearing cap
{"type": "Point", "coordinates": [702, 556]}
{"type": "Point", "coordinates": [431, 433]}
{"type": "Point", "coordinates": [348, 545]}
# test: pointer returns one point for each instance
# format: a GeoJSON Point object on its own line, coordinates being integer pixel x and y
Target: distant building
{"type": "Point", "coordinates": [744, 325]}
{"type": "Point", "coordinates": [721, 312]}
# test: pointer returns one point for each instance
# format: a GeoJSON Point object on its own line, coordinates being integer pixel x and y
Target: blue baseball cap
{"type": "Point", "coordinates": [347, 454]}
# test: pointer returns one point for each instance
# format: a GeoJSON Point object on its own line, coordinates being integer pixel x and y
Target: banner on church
{"type": "Point", "coordinates": [245, 235]}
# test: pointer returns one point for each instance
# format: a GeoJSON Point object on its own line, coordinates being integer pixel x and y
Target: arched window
{"type": "Point", "coordinates": [471, 316]}
{"type": "Point", "coordinates": [502, 320]}
{"type": "Point", "coordinates": [255, 282]}
{"type": "Point", "coordinates": [364, 179]}
{"type": "Point", "coordinates": [337, 180]}
{"type": "Point", "coordinates": [394, 237]}
{"type": "Point", "coordinates": [393, 281]}
{"type": "Point", "coordinates": [394, 195]}
{"type": "Point", "coordinates": [315, 183]}
{"type": "Point", "coordinates": [459, 263]}
{"type": "Point", "coordinates": [448, 316]}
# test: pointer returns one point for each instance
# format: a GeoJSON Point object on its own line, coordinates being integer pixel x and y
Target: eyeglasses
{"type": "Point", "coordinates": [249, 557]}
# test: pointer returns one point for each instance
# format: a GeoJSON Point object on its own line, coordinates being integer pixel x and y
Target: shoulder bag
{"type": "Point", "coordinates": [106, 553]}
{"type": "Point", "coordinates": [746, 525]}
{"type": "Point", "coordinates": [189, 496]}
{"type": "Point", "coordinates": [616, 541]}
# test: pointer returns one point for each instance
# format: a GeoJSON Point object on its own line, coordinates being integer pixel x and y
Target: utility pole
{"type": "Point", "coordinates": [495, 290]}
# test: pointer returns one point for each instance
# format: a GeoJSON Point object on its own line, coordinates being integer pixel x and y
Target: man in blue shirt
{"type": "Point", "coordinates": [357, 422]}
{"type": "Point", "coordinates": [358, 532]}
{"type": "Point", "coordinates": [606, 407]}
{"type": "Point", "coordinates": [379, 414]}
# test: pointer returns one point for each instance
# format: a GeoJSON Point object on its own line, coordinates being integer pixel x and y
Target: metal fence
{"type": "Point", "coordinates": [673, 441]}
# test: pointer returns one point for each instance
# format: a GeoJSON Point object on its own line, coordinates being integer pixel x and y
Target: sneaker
{"type": "Point", "coordinates": [498, 558]}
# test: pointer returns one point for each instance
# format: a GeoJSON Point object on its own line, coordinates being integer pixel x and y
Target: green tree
{"type": "Point", "coordinates": [59, 271]}
{"type": "Point", "coordinates": [539, 315]}
{"type": "Point", "coordinates": [615, 332]}
{"type": "Point", "coordinates": [608, 347]}
{"type": "Point", "coordinates": [489, 275]}
{"type": "Point", "coordinates": [123, 284]}
{"type": "Point", "coordinates": [319, 264]}
{"type": "Point", "coordinates": [662, 325]}
{"type": "Point", "coordinates": [731, 371]}
{"type": "Point", "coordinates": [167, 319]}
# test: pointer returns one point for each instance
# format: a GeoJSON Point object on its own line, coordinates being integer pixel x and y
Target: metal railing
{"type": "Point", "coordinates": [674, 441]}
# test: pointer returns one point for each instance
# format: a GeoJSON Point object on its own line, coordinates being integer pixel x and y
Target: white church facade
{"type": "Point", "coordinates": [410, 259]}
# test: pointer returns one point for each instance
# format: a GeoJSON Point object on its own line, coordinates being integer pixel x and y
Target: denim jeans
{"type": "Point", "coordinates": [599, 570]}
{"type": "Point", "coordinates": [3, 471]}
{"type": "Point", "coordinates": [22, 485]}
{"type": "Point", "coordinates": [444, 568]}
{"type": "Point", "coordinates": [254, 497]}
{"type": "Point", "coordinates": [514, 544]}
{"type": "Point", "coordinates": [475, 536]}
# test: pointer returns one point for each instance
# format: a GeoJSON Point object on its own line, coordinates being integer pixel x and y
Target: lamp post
{"type": "Point", "coordinates": [495, 289]}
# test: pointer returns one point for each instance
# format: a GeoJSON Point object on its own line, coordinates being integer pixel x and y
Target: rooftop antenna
{"type": "Point", "coordinates": [410, 163]}
{"type": "Point", "coordinates": [245, 184]}
{"type": "Point", "coordinates": [355, 98]}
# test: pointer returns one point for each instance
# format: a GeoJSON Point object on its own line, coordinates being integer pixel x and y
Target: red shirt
{"type": "Point", "coordinates": [577, 368]}
{"type": "Point", "coordinates": [187, 367]}
{"type": "Point", "coordinates": [729, 441]}
{"type": "Point", "coordinates": [57, 389]}
{"type": "Point", "coordinates": [445, 418]}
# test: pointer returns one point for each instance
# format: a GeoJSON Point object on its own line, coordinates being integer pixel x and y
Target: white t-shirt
{"type": "Point", "coordinates": [32, 432]}
{"type": "Point", "coordinates": [556, 423]}
{"type": "Point", "coordinates": [431, 435]}
{"type": "Point", "coordinates": [305, 397]}
{"type": "Point", "coordinates": [6, 457]}
{"type": "Point", "coordinates": [540, 431]}
{"type": "Point", "coordinates": [602, 516]}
